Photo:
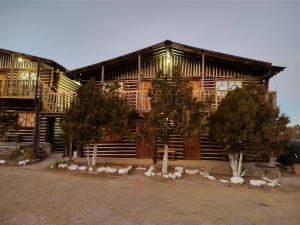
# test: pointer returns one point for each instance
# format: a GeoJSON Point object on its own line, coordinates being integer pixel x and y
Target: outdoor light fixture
{"type": "Point", "coordinates": [20, 59]}
{"type": "Point", "coordinates": [168, 58]}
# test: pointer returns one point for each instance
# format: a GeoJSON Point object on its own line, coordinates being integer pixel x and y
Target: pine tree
{"type": "Point", "coordinates": [98, 112]}
{"type": "Point", "coordinates": [174, 110]}
{"type": "Point", "coordinates": [246, 121]}
{"type": "Point", "coordinates": [233, 124]}
{"type": "Point", "coordinates": [271, 132]}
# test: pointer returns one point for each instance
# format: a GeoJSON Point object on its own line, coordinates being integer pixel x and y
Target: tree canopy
{"type": "Point", "coordinates": [97, 112]}
{"type": "Point", "coordinates": [245, 118]}
{"type": "Point", "coordinates": [233, 123]}
{"type": "Point", "coordinates": [174, 110]}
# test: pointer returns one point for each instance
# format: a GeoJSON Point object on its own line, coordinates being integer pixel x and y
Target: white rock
{"type": "Point", "coordinates": [73, 167]}
{"type": "Point", "coordinates": [179, 169]}
{"type": "Point", "coordinates": [158, 174]}
{"type": "Point", "coordinates": [110, 170]}
{"type": "Point", "coordinates": [190, 171]}
{"type": "Point", "coordinates": [204, 174]}
{"type": "Point", "coordinates": [166, 176]}
{"type": "Point", "coordinates": [149, 171]}
{"type": "Point", "coordinates": [258, 183]}
{"type": "Point", "coordinates": [152, 174]}
{"type": "Point", "coordinates": [237, 180]}
{"type": "Point", "coordinates": [22, 163]}
{"type": "Point", "coordinates": [91, 169]}
{"type": "Point", "coordinates": [224, 181]}
{"type": "Point", "coordinates": [211, 177]}
{"type": "Point", "coordinates": [82, 168]}
{"type": "Point", "coordinates": [124, 170]}
{"type": "Point", "coordinates": [2, 161]}
{"type": "Point", "coordinates": [172, 175]}
{"type": "Point", "coordinates": [101, 170]}
{"type": "Point", "coordinates": [141, 168]}
{"type": "Point", "coordinates": [63, 166]}
{"type": "Point", "coordinates": [272, 184]}
{"type": "Point", "coordinates": [178, 174]}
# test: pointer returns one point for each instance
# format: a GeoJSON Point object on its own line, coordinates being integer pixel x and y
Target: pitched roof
{"type": "Point", "coordinates": [178, 47]}
{"type": "Point", "coordinates": [34, 58]}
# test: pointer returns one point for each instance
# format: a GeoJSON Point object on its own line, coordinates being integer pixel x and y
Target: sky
{"type": "Point", "coordinates": [80, 33]}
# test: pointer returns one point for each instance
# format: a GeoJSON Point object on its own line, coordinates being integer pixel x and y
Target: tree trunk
{"type": "Point", "coordinates": [70, 150]}
{"type": "Point", "coordinates": [94, 159]}
{"type": "Point", "coordinates": [236, 160]}
{"type": "Point", "coordinates": [154, 151]}
{"type": "Point", "coordinates": [165, 160]}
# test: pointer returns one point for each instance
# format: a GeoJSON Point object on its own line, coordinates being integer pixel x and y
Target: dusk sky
{"type": "Point", "coordinates": [79, 33]}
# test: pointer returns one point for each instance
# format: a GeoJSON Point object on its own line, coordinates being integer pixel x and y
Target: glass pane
{"type": "Point", "coordinates": [24, 75]}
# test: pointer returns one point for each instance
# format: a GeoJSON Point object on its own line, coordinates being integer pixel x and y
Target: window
{"type": "Point", "coordinates": [223, 86]}
{"type": "Point", "coordinates": [26, 119]}
{"type": "Point", "coordinates": [27, 75]}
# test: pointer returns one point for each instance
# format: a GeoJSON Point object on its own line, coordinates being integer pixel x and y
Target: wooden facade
{"type": "Point", "coordinates": [212, 75]}
{"type": "Point", "coordinates": [35, 88]}
{"type": "Point", "coordinates": [24, 79]}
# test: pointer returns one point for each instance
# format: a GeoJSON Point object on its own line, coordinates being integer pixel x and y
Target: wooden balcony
{"type": "Point", "coordinates": [53, 102]}
{"type": "Point", "coordinates": [17, 89]}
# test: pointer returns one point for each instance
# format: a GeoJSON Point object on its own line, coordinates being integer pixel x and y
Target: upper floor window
{"type": "Point", "coordinates": [27, 75]}
{"type": "Point", "coordinates": [223, 86]}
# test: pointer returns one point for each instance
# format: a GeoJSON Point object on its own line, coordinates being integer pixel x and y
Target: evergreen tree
{"type": "Point", "coordinates": [233, 124]}
{"type": "Point", "coordinates": [246, 121]}
{"type": "Point", "coordinates": [271, 132]}
{"type": "Point", "coordinates": [174, 110]}
{"type": "Point", "coordinates": [98, 112]}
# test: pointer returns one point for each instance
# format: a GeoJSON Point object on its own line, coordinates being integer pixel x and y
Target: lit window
{"type": "Point", "coordinates": [27, 75]}
{"type": "Point", "coordinates": [26, 119]}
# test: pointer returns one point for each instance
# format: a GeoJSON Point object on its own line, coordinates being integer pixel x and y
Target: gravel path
{"type": "Point", "coordinates": [30, 196]}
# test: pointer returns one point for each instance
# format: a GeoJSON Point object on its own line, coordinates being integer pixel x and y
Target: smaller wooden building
{"type": "Point", "coordinates": [38, 90]}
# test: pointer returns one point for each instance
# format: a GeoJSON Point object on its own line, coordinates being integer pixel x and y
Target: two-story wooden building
{"type": "Point", "coordinates": [212, 74]}
{"type": "Point", "coordinates": [40, 91]}
{"type": "Point", "coordinates": [37, 89]}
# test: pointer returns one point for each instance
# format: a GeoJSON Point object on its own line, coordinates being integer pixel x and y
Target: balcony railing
{"type": "Point", "coordinates": [57, 102]}
{"type": "Point", "coordinates": [17, 88]}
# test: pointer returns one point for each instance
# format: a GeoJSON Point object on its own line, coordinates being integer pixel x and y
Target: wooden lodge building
{"type": "Point", "coordinates": [40, 90]}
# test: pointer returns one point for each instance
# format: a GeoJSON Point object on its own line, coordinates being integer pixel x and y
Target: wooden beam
{"type": "Point", "coordinates": [202, 75]}
{"type": "Point", "coordinates": [139, 70]}
{"type": "Point", "coordinates": [37, 102]}
{"type": "Point", "coordinates": [102, 73]}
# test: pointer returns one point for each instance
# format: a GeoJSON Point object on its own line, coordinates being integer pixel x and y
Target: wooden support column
{"type": "Point", "coordinates": [138, 99]}
{"type": "Point", "coordinates": [139, 70]}
{"type": "Point", "coordinates": [12, 71]}
{"type": "Point", "coordinates": [37, 102]}
{"type": "Point", "coordinates": [102, 74]}
{"type": "Point", "coordinates": [202, 75]}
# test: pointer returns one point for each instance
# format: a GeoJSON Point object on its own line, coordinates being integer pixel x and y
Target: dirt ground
{"type": "Point", "coordinates": [44, 196]}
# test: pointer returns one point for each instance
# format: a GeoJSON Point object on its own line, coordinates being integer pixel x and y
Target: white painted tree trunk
{"type": "Point", "coordinates": [165, 160]}
{"type": "Point", "coordinates": [94, 159]}
{"type": "Point", "coordinates": [236, 160]}
{"type": "Point", "coordinates": [88, 160]}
